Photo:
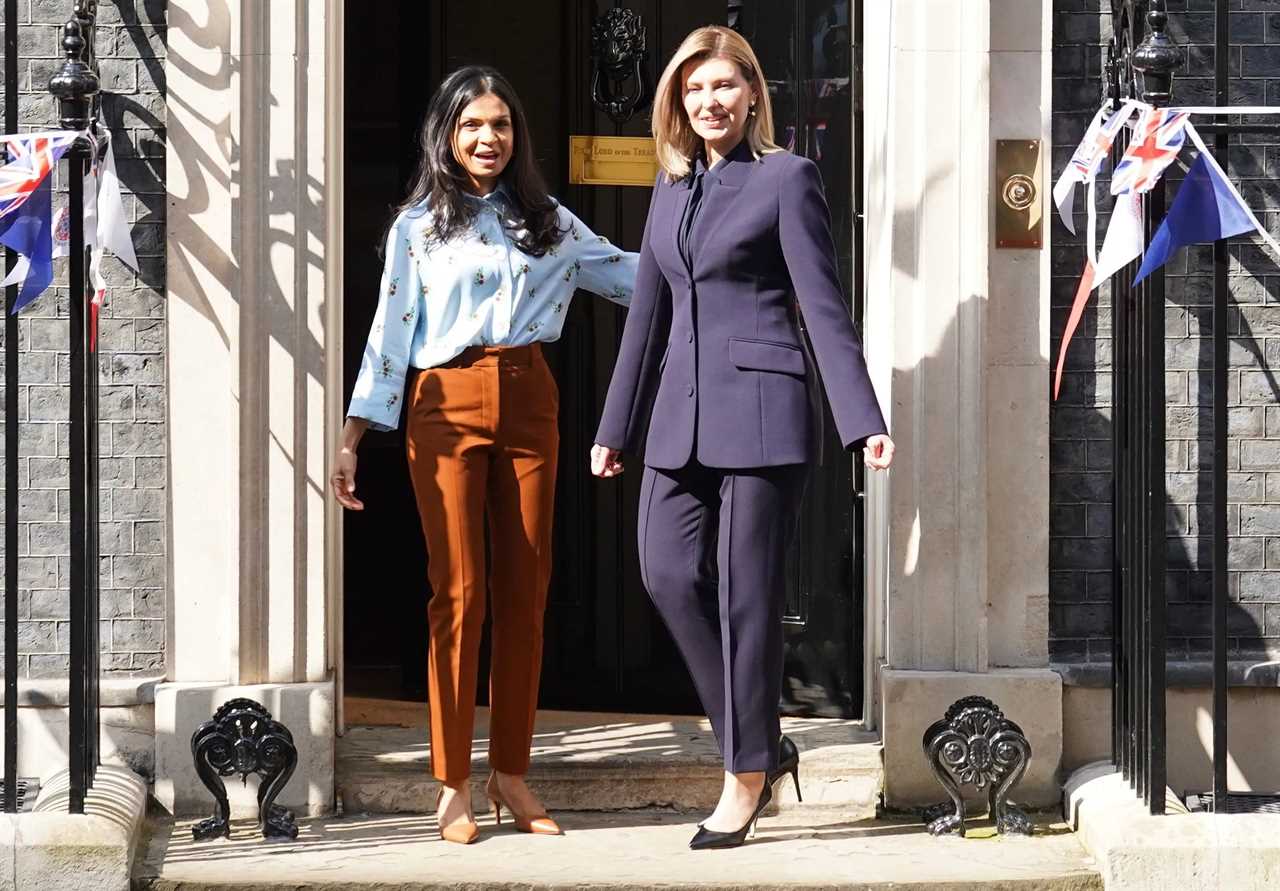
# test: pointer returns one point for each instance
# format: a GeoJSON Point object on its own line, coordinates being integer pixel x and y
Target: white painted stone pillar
{"type": "Point", "coordinates": [254, 333]}
{"type": "Point", "coordinates": [960, 568]}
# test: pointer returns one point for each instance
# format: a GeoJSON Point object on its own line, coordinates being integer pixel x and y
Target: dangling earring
{"type": "Point", "coordinates": [752, 110]}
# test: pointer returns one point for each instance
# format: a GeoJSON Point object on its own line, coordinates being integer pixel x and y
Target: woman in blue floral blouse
{"type": "Point", "coordinates": [480, 266]}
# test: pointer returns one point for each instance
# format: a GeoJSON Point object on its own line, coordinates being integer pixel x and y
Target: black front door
{"type": "Point", "coordinates": [606, 649]}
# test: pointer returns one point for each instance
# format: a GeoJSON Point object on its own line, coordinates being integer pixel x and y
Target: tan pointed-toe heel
{"type": "Point", "coordinates": [461, 833]}
{"type": "Point", "coordinates": [539, 825]}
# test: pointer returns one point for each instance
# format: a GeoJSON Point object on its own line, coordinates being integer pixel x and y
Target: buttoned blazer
{"type": "Point", "coordinates": [712, 354]}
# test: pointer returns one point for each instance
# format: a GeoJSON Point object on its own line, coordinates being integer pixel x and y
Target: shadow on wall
{"type": "Point", "coordinates": [1081, 501]}
{"type": "Point", "coordinates": [126, 739]}
{"type": "Point", "coordinates": [254, 237]}
{"type": "Point", "coordinates": [287, 194]}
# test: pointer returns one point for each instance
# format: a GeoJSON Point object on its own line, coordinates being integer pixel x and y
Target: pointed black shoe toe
{"type": "Point", "coordinates": [707, 840]}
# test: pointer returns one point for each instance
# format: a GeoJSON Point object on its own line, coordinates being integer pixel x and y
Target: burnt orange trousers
{"type": "Point", "coordinates": [482, 441]}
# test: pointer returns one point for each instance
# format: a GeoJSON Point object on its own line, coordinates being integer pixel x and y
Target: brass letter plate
{"type": "Point", "coordinates": [612, 161]}
{"type": "Point", "coordinates": [1019, 196]}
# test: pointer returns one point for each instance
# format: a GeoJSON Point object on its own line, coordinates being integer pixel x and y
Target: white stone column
{"type": "Point", "coordinates": [252, 290]}
{"type": "Point", "coordinates": [961, 566]}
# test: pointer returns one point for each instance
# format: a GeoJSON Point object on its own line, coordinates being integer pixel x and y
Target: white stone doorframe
{"type": "Point", "coordinates": [254, 300]}
{"type": "Point", "coordinates": [958, 533]}
{"type": "Point", "coordinates": [335, 409]}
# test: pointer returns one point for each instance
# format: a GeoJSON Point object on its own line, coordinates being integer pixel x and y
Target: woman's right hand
{"type": "Point", "coordinates": [605, 462]}
{"type": "Point", "coordinates": [344, 479]}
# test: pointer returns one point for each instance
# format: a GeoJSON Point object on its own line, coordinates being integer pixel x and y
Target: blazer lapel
{"type": "Point", "coordinates": [730, 176]}
{"type": "Point", "coordinates": [716, 210]}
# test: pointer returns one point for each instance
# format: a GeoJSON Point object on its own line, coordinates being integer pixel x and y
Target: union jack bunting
{"type": "Point", "coordinates": [1097, 141]}
{"type": "Point", "coordinates": [26, 206]}
{"type": "Point", "coordinates": [1157, 139]}
{"type": "Point", "coordinates": [1088, 157]}
{"type": "Point", "coordinates": [31, 158]}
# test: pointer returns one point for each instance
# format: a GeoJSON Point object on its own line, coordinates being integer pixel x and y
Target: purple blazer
{"type": "Point", "coordinates": [718, 355]}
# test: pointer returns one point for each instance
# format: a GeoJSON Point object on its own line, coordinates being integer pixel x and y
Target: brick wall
{"type": "Point", "coordinates": [130, 45]}
{"type": "Point", "coordinates": [1080, 422]}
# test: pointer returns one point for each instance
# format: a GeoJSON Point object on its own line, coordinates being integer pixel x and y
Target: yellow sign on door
{"type": "Point", "coordinates": [612, 161]}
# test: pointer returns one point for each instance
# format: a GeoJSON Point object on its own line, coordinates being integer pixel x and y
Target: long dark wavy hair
{"type": "Point", "coordinates": [440, 179]}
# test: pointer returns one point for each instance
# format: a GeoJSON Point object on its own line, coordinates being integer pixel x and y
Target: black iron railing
{"type": "Point", "coordinates": [1135, 69]}
{"type": "Point", "coordinates": [1140, 63]}
{"type": "Point", "coordinates": [76, 87]}
{"type": "Point", "coordinates": [10, 789]}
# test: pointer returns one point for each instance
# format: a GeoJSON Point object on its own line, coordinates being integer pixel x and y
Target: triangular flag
{"type": "Point", "coordinates": [26, 205]}
{"type": "Point", "coordinates": [26, 230]}
{"type": "Point", "coordinates": [1203, 210]}
{"type": "Point", "coordinates": [1088, 157]}
{"type": "Point", "coordinates": [1122, 245]}
{"type": "Point", "coordinates": [112, 223]}
{"type": "Point", "coordinates": [1157, 138]}
{"type": "Point", "coordinates": [1124, 240]}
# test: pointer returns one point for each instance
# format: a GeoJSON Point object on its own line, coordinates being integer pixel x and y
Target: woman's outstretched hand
{"type": "Point", "coordinates": [344, 479]}
{"type": "Point", "coordinates": [878, 452]}
{"type": "Point", "coordinates": [605, 462]}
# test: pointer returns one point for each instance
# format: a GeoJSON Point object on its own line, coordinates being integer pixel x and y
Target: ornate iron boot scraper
{"type": "Point", "coordinates": [242, 738]}
{"type": "Point", "coordinates": [976, 744]}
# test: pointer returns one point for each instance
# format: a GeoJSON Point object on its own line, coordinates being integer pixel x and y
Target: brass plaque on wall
{"type": "Point", "coordinates": [1018, 194]}
{"type": "Point", "coordinates": [612, 161]}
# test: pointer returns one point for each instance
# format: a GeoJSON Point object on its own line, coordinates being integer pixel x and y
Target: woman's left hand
{"type": "Point", "coordinates": [605, 462]}
{"type": "Point", "coordinates": [878, 452]}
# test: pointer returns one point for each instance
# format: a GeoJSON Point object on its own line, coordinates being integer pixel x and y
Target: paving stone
{"type": "Point", "coordinates": [637, 849]}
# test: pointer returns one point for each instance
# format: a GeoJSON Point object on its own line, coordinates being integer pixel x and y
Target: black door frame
{"type": "Point", "coordinates": [862, 654]}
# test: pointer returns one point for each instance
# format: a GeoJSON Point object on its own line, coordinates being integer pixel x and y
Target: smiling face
{"type": "Point", "coordinates": [483, 141]}
{"type": "Point", "coordinates": [718, 100]}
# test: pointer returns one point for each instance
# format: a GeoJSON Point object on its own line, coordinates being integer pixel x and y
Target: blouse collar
{"type": "Point", "coordinates": [498, 199]}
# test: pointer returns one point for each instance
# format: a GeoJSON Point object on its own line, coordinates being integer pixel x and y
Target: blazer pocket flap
{"type": "Point", "coordinates": [765, 355]}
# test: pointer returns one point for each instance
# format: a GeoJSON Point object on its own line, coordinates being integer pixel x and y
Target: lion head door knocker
{"type": "Point", "coordinates": [242, 738]}
{"type": "Point", "coordinates": [619, 86]}
{"type": "Point", "coordinates": [976, 745]}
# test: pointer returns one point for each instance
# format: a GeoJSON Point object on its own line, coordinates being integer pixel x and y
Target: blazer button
{"type": "Point", "coordinates": [690, 337]}
{"type": "Point", "coordinates": [689, 390]}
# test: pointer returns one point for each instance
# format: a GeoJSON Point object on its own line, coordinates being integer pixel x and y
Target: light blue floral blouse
{"type": "Point", "coordinates": [480, 290]}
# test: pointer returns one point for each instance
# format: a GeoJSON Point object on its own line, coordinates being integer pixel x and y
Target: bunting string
{"type": "Point", "coordinates": [1208, 207]}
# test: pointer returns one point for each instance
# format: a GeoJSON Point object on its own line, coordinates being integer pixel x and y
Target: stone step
{"type": "Point", "coordinates": [621, 850]}
{"type": "Point", "coordinates": [610, 762]}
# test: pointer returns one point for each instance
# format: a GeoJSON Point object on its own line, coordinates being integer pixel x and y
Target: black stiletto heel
{"type": "Point", "coordinates": [788, 763]}
{"type": "Point", "coordinates": [708, 839]}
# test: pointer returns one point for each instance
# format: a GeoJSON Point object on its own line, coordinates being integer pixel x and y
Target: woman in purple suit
{"type": "Point", "coordinates": [737, 240]}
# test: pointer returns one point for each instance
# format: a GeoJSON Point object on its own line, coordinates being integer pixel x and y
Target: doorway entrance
{"type": "Point", "coordinates": [606, 649]}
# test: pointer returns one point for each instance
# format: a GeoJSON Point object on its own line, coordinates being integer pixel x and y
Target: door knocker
{"type": "Point", "coordinates": [619, 86]}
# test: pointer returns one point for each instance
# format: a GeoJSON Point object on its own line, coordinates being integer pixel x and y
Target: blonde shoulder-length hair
{"type": "Point", "coordinates": [675, 142]}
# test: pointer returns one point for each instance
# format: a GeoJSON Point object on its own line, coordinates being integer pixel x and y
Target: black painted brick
{"type": "Point", "coordinates": [1080, 427]}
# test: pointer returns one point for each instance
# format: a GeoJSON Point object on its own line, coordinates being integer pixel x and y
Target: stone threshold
{"type": "Point", "coordinates": [627, 850]}
{"type": "Point", "coordinates": [1136, 851]}
{"type": "Point", "coordinates": [604, 762]}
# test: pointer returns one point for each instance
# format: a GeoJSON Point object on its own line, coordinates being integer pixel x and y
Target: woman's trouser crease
{"type": "Point", "coordinates": [482, 440]}
{"type": "Point", "coordinates": [713, 547]}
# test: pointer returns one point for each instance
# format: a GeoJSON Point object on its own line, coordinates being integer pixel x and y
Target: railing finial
{"type": "Point", "coordinates": [1157, 57]}
{"type": "Point", "coordinates": [75, 84]}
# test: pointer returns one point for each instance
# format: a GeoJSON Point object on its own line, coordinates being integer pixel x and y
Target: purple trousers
{"type": "Point", "coordinates": [713, 545]}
